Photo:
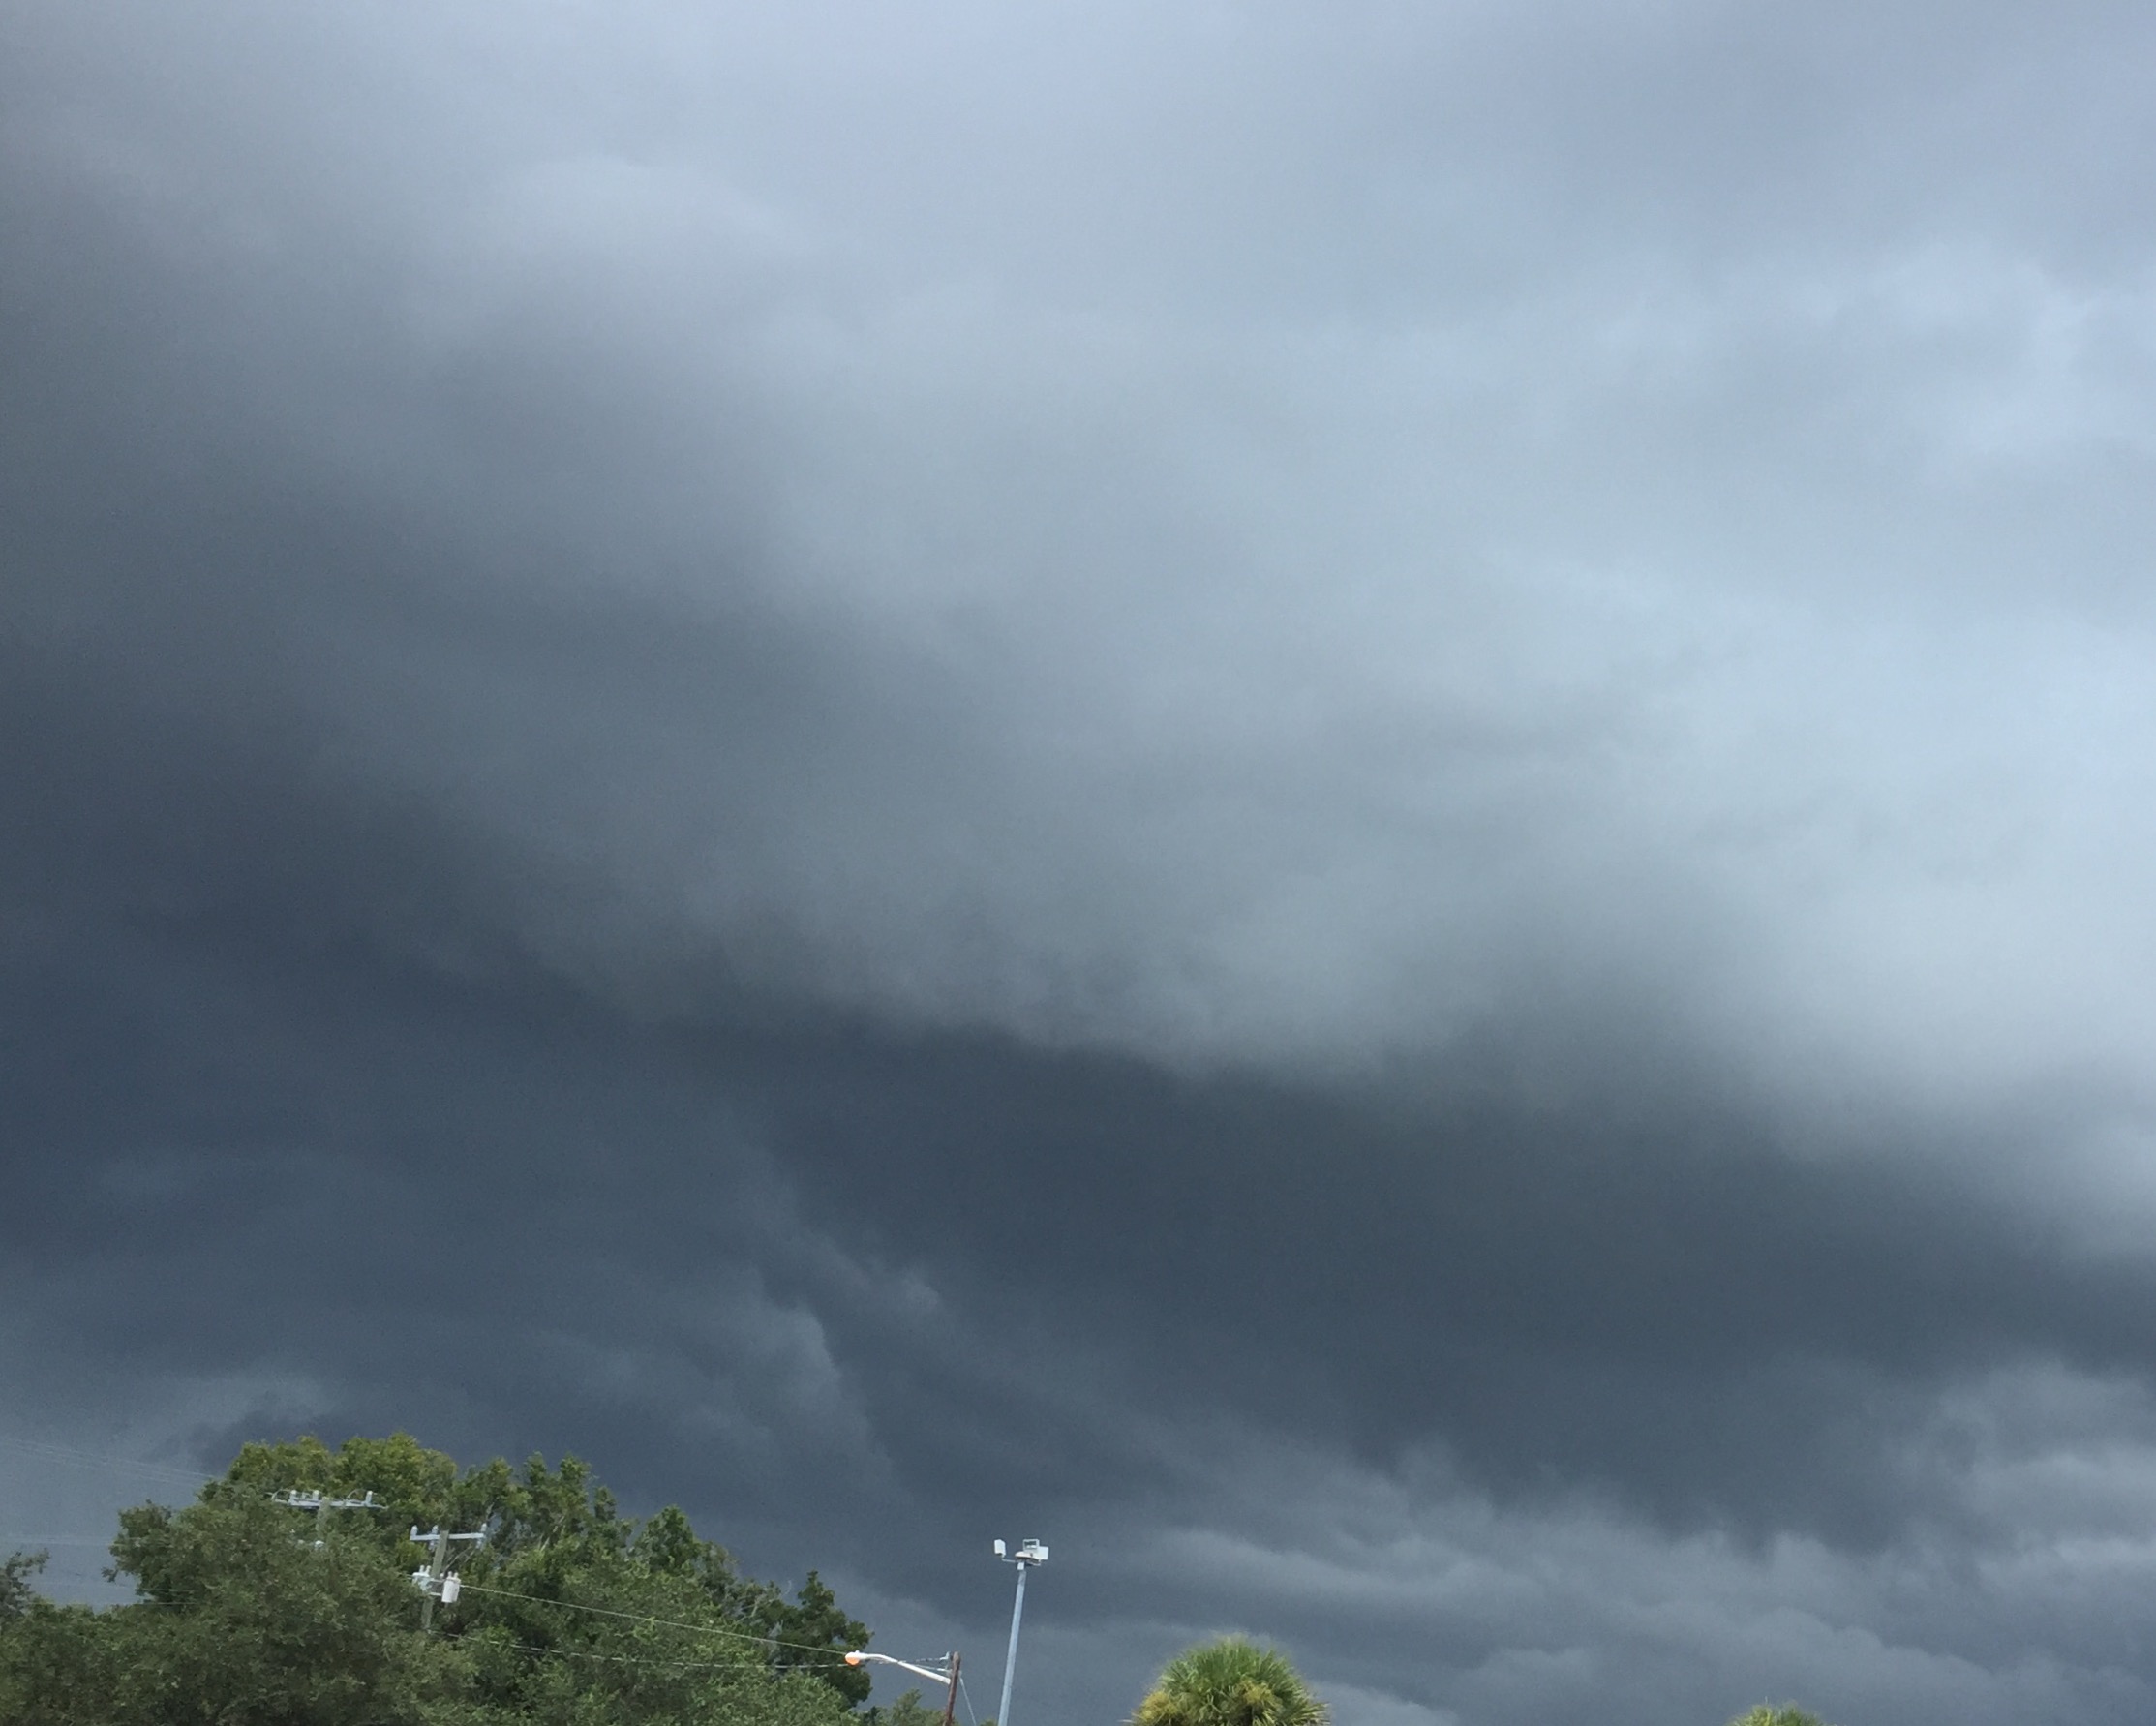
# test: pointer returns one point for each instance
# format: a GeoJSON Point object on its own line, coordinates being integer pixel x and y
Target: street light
{"type": "Point", "coordinates": [1027, 1556]}
{"type": "Point", "coordinates": [860, 1656]}
{"type": "Point", "coordinates": [948, 1678]}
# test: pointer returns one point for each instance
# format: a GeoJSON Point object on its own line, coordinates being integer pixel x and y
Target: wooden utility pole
{"type": "Point", "coordinates": [435, 1579]}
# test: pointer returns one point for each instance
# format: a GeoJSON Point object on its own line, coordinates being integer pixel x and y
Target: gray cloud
{"type": "Point", "coordinates": [1357, 803]}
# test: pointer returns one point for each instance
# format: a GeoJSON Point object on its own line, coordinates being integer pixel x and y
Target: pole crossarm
{"type": "Point", "coordinates": [315, 1501]}
{"type": "Point", "coordinates": [435, 1580]}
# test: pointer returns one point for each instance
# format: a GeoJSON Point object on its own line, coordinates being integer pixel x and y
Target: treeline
{"type": "Point", "coordinates": [1236, 1682]}
{"type": "Point", "coordinates": [253, 1612]}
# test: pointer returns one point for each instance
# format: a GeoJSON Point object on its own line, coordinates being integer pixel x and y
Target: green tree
{"type": "Point", "coordinates": [241, 1622]}
{"type": "Point", "coordinates": [53, 1666]}
{"type": "Point", "coordinates": [550, 1526]}
{"type": "Point", "coordinates": [809, 1634]}
{"type": "Point", "coordinates": [1788, 1713]}
{"type": "Point", "coordinates": [1233, 1682]}
{"type": "Point", "coordinates": [16, 1593]}
{"type": "Point", "coordinates": [571, 1614]}
{"type": "Point", "coordinates": [908, 1711]}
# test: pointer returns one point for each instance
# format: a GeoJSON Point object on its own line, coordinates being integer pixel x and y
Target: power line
{"type": "Point", "coordinates": [55, 1540]}
{"type": "Point", "coordinates": [532, 1647]}
{"type": "Point", "coordinates": [637, 1617]}
{"type": "Point", "coordinates": [671, 1623]}
{"type": "Point", "coordinates": [640, 1618]}
{"type": "Point", "coordinates": [92, 1458]}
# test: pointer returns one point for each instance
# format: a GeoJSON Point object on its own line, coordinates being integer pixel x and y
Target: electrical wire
{"type": "Point", "coordinates": [532, 1647]}
{"type": "Point", "coordinates": [90, 1458]}
{"type": "Point", "coordinates": [44, 1540]}
{"type": "Point", "coordinates": [968, 1697]}
{"type": "Point", "coordinates": [640, 1618]}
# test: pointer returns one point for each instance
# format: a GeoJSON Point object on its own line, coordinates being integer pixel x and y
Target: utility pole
{"type": "Point", "coordinates": [950, 1693]}
{"type": "Point", "coordinates": [436, 1580]}
{"type": "Point", "coordinates": [321, 1506]}
{"type": "Point", "coordinates": [1028, 1554]}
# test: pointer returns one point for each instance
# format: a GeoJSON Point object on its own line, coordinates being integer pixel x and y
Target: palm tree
{"type": "Point", "coordinates": [1230, 1683]}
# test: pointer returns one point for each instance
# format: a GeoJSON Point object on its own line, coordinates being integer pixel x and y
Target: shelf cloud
{"type": "Point", "coordinates": [1357, 805]}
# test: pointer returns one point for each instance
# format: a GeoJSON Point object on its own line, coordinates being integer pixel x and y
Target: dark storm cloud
{"type": "Point", "coordinates": [1064, 1288]}
{"type": "Point", "coordinates": [785, 1266]}
{"type": "Point", "coordinates": [1360, 804]}
{"type": "Point", "coordinates": [1465, 1266]}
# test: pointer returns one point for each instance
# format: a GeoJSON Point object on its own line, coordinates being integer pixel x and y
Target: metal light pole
{"type": "Point", "coordinates": [1030, 1553]}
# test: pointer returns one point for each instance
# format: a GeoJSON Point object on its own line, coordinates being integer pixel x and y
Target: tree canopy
{"type": "Point", "coordinates": [252, 1609]}
{"type": "Point", "coordinates": [253, 1612]}
{"type": "Point", "coordinates": [1233, 1682]}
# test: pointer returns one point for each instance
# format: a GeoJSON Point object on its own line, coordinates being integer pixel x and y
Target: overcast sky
{"type": "Point", "coordinates": [1355, 804]}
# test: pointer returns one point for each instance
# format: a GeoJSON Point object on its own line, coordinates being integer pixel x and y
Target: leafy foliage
{"type": "Point", "coordinates": [16, 1593]}
{"type": "Point", "coordinates": [1233, 1682]}
{"type": "Point", "coordinates": [1767, 1714]}
{"type": "Point", "coordinates": [250, 1613]}
{"type": "Point", "coordinates": [909, 1711]}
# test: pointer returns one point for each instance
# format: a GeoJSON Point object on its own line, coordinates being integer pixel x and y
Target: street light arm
{"type": "Point", "coordinates": [859, 1656]}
